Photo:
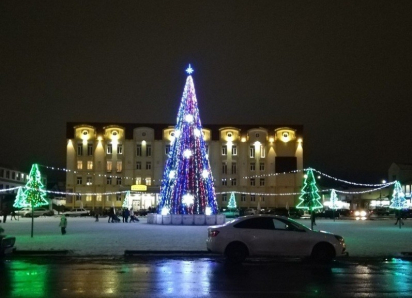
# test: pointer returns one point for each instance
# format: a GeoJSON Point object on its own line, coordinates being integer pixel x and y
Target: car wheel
{"type": "Point", "coordinates": [236, 252]}
{"type": "Point", "coordinates": [323, 253]}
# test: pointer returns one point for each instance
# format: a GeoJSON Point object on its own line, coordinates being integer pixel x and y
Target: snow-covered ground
{"type": "Point", "coordinates": [85, 237]}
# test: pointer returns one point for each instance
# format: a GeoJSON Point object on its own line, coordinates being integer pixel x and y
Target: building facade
{"type": "Point", "coordinates": [105, 160]}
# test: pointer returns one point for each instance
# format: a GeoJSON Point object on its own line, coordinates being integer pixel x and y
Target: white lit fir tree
{"type": "Point", "coordinates": [127, 200]}
{"type": "Point", "coordinates": [187, 185]}
{"type": "Point", "coordinates": [398, 198]}
{"type": "Point", "coordinates": [334, 200]}
{"type": "Point", "coordinates": [232, 202]}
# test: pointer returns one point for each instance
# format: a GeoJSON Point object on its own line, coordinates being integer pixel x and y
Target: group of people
{"type": "Point", "coordinates": [126, 214]}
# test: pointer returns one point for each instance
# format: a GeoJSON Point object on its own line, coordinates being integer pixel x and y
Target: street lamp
{"type": "Point", "coordinates": [380, 192]}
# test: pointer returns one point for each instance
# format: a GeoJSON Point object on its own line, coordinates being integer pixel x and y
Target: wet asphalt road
{"type": "Point", "coordinates": [202, 277]}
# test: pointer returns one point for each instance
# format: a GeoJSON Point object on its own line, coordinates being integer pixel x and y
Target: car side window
{"type": "Point", "coordinates": [263, 223]}
{"type": "Point", "coordinates": [284, 225]}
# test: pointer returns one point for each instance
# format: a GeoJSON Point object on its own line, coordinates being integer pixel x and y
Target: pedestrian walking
{"type": "Point", "coordinates": [96, 216]}
{"type": "Point", "coordinates": [313, 218]}
{"type": "Point", "coordinates": [111, 214]}
{"type": "Point", "coordinates": [13, 215]}
{"type": "Point", "coordinates": [63, 224]}
{"type": "Point", "coordinates": [398, 214]}
{"type": "Point", "coordinates": [126, 215]}
{"type": "Point", "coordinates": [5, 213]}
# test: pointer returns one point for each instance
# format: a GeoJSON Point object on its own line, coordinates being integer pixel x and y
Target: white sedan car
{"type": "Point", "coordinates": [272, 236]}
{"type": "Point", "coordinates": [77, 212]}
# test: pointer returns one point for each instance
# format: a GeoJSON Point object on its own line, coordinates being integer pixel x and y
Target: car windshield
{"type": "Point", "coordinates": [299, 225]}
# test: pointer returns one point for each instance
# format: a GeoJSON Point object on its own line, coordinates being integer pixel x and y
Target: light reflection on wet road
{"type": "Point", "coordinates": [202, 277]}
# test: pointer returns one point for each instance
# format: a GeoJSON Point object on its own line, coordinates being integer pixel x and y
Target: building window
{"type": "Point", "coordinates": [120, 149]}
{"type": "Point", "coordinates": [252, 151]}
{"type": "Point", "coordinates": [262, 182]}
{"type": "Point", "coordinates": [234, 168]}
{"type": "Point", "coordinates": [138, 180]}
{"type": "Point", "coordinates": [79, 165]}
{"type": "Point", "coordinates": [1, 173]}
{"type": "Point", "coordinates": [233, 182]}
{"type": "Point", "coordinates": [252, 166]}
{"type": "Point", "coordinates": [79, 180]}
{"type": "Point", "coordinates": [8, 174]}
{"type": "Point", "coordinates": [119, 181]}
{"type": "Point", "coordinates": [138, 165]}
{"type": "Point", "coordinates": [224, 168]}
{"type": "Point", "coordinates": [78, 197]}
{"type": "Point", "coordinates": [109, 166]}
{"type": "Point", "coordinates": [262, 151]}
{"type": "Point", "coordinates": [252, 182]}
{"type": "Point", "coordinates": [224, 198]}
{"type": "Point", "coordinates": [89, 149]}
{"type": "Point", "coordinates": [234, 150]}
{"type": "Point", "coordinates": [99, 198]}
{"type": "Point", "coordinates": [90, 165]}
{"type": "Point", "coordinates": [109, 149]}
{"type": "Point", "coordinates": [148, 165]}
{"type": "Point", "coordinates": [18, 176]}
{"type": "Point", "coordinates": [119, 166]}
{"type": "Point", "coordinates": [243, 197]}
{"type": "Point", "coordinates": [167, 149]}
{"type": "Point", "coordinates": [119, 197]}
{"type": "Point", "coordinates": [224, 150]}
{"type": "Point", "coordinates": [107, 198]}
{"type": "Point", "coordinates": [109, 180]}
{"type": "Point", "coordinates": [148, 181]}
{"type": "Point", "coordinates": [148, 150]}
{"type": "Point", "coordinates": [88, 198]}
{"type": "Point", "coordinates": [79, 149]}
{"type": "Point", "coordinates": [138, 150]}
{"type": "Point", "coordinates": [13, 175]}
{"type": "Point", "coordinates": [89, 181]}
{"type": "Point", "coordinates": [252, 198]}
{"type": "Point", "coordinates": [224, 182]}
{"type": "Point", "coordinates": [262, 166]}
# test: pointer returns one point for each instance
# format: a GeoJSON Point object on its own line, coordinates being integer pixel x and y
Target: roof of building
{"type": "Point", "coordinates": [404, 166]}
{"type": "Point", "coordinates": [158, 128]}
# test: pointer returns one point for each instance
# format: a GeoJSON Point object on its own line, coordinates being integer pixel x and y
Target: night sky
{"type": "Point", "coordinates": [342, 69]}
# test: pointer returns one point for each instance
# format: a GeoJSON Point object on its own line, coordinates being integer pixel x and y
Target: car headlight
{"type": "Point", "coordinates": [339, 238]}
{"type": "Point", "coordinates": [363, 213]}
{"type": "Point", "coordinates": [357, 213]}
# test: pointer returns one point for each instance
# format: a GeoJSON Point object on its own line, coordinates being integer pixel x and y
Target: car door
{"type": "Point", "coordinates": [257, 233]}
{"type": "Point", "coordinates": [288, 239]}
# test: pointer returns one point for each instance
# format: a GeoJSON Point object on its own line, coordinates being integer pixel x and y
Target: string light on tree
{"type": "Point", "coordinates": [187, 185]}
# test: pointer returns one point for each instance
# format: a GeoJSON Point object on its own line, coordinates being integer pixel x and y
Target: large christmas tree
{"type": "Point", "coordinates": [310, 193]}
{"type": "Point", "coordinates": [187, 185]}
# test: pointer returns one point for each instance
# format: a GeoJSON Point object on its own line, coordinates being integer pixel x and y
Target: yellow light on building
{"type": "Point", "coordinates": [139, 187]}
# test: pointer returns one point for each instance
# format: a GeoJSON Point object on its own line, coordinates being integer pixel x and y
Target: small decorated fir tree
{"type": "Point", "coordinates": [232, 202]}
{"type": "Point", "coordinates": [398, 197]}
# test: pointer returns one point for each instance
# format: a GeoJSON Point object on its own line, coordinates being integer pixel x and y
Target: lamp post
{"type": "Point", "coordinates": [380, 192]}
